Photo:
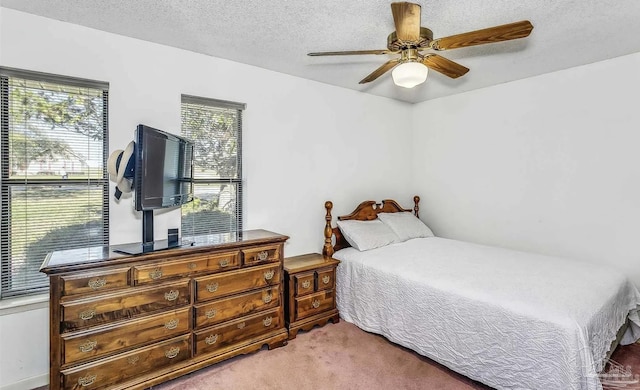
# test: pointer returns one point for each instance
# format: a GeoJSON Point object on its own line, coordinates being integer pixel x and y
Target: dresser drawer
{"type": "Point", "coordinates": [103, 373]}
{"type": "Point", "coordinates": [106, 308]}
{"type": "Point", "coordinates": [314, 304]}
{"type": "Point", "coordinates": [326, 279]}
{"type": "Point", "coordinates": [228, 333]}
{"type": "Point", "coordinates": [263, 254]}
{"type": "Point", "coordinates": [214, 312]}
{"type": "Point", "coordinates": [185, 266]}
{"type": "Point", "coordinates": [84, 345]}
{"type": "Point", "coordinates": [215, 286]}
{"type": "Point", "coordinates": [304, 283]}
{"type": "Point", "coordinates": [88, 282]}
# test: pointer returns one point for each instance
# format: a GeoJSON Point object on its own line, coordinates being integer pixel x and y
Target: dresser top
{"type": "Point", "coordinates": [308, 262]}
{"type": "Point", "coordinates": [97, 256]}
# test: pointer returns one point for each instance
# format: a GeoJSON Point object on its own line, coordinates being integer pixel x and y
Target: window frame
{"type": "Point", "coordinates": [238, 181]}
{"type": "Point", "coordinates": [6, 183]}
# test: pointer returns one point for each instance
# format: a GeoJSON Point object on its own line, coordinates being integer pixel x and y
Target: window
{"type": "Point", "coordinates": [215, 126]}
{"type": "Point", "coordinates": [53, 184]}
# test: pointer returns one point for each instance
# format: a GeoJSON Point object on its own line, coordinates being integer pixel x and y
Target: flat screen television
{"type": "Point", "coordinates": [164, 167]}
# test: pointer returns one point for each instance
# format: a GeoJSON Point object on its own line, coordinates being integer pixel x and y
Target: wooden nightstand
{"type": "Point", "coordinates": [310, 282]}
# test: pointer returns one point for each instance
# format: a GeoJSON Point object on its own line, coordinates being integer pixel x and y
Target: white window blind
{"type": "Point", "coordinates": [215, 126]}
{"type": "Point", "coordinates": [54, 185]}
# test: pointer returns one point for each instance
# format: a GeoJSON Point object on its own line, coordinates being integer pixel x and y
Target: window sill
{"type": "Point", "coordinates": [22, 304]}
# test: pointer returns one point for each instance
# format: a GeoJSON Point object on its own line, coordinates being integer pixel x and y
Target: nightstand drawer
{"type": "Point", "coordinates": [215, 286]}
{"type": "Point", "coordinates": [218, 337]}
{"type": "Point", "coordinates": [259, 255]}
{"type": "Point", "coordinates": [101, 374]}
{"type": "Point", "coordinates": [305, 283]}
{"type": "Point", "coordinates": [185, 266]}
{"type": "Point", "coordinates": [309, 292]}
{"type": "Point", "coordinates": [326, 279]}
{"type": "Point", "coordinates": [95, 281]}
{"type": "Point", "coordinates": [83, 345]}
{"type": "Point", "coordinates": [314, 304]}
{"type": "Point", "coordinates": [129, 303]}
{"type": "Point", "coordinates": [221, 310]}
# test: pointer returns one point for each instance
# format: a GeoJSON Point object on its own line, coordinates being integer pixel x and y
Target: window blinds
{"type": "Point", "coordinates": [215, 126]}
{"type": "Point", "coordinates": [54, 184]}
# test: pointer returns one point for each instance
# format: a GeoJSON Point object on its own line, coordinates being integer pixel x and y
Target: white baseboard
{"type": "Point", "coordinates": [28, 384]}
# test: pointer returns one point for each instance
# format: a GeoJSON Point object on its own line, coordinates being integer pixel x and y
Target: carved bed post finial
{"type": "Point", "coordinates": [416, 208]}
{"type": "Point", "coordinates": [327, 250]}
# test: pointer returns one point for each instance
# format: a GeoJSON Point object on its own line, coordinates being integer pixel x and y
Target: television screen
{"type": "Point", "coordinates": [163, 169]}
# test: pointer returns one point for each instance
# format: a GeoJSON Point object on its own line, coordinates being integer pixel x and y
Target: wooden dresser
{"type": "Point", "coordinates": [129, 322]}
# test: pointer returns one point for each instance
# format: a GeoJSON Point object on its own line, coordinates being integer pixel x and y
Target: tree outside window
{"type": "Point", "coordinates": [215, 127]}
{"type": "Point", "coordinates": [54, 184]}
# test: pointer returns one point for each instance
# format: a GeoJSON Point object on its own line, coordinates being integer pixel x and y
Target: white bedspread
{"type": "Point", "coordinates": [509, 319]}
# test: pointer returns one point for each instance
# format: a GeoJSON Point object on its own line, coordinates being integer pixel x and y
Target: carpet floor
{"type": "Point", "coordinates": [335, 356]}
{"type": "Point", "coordinates": [341, 356]}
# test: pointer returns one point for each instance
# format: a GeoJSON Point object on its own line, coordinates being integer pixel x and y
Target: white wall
{"type": "Point", "coordinates": [304, 142]}
{"type": "Point", "coordinates": [549, 164]}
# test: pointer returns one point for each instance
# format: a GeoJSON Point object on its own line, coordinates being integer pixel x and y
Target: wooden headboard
{"type": "Point", "coordinates": [366, 211]}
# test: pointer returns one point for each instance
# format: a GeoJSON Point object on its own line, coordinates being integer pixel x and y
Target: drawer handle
{"type": "Point", "coordinates": [241, 325]}
{"type": "Point", "coordinates": [133, 359]}
{"type": "Point", "coordinates": [87, 314]}
{"type": "Point", "coordinates": [212, 339]}
{"type": "Point", "coordinates": [224, 263]}
{"type": "Point", "coordinates": [315, 304]}
{"type": "Point", "coordinates": [97, 283]}
{"type": "Point", "coordinates": [172, 324]}
{"type": "Point", "coordinates": [172, 352]}
{"type": "Point", "coordinates": [88, 346]}
{"type": "Point", "coordinates": [155, 274]}
{"type": "Point", "coordinates": [267, 298]}
{"type": "Point", "coordinates": [326, 279]}
{"type": "Point", "coordinates": [210, 313]}
{"type": "Point", "coordinates": [171, 295]}
{"type": "Point", "coordinates": [85, 381]}
{"type": "Point", "coordinates": [269, 275]}
{"type": "Point", "coordinates": [212, 287]}
{"type": "Point", "coordinates": [262, 256]}
{"type": "Point", "coordinates": [192, 266]}
{"type": "Point", "coordinates": [267, 321]}
{"type": "Point", "coordinates": [306, 284]}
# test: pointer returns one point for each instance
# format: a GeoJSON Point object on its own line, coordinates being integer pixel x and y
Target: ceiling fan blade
{"type": "Point", "coordinates": [380, 71]}
{"type": "Point", "coordinates": [505, 32]}
{"type": "Point", "coordinates": [444, 66]}
{"type": "Point", "coordinates": [406, 17]}
{"type": "Point", "coordinates": [350, 53]}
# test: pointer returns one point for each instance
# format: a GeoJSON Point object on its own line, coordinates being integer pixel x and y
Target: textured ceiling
{"type": "Point", "coordinates": [276, 35]}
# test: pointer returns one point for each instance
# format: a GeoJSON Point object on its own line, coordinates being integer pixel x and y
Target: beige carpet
{"type": "Point", "coordinates": [336, 356]}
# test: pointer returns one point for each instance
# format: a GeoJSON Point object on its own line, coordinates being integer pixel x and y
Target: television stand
{"type": "Point", "coordinates": [153, 246]}
{"type": "Point", "coordinates": [147, 231]}
{"type": "Point", "coordinates": [148, 244]}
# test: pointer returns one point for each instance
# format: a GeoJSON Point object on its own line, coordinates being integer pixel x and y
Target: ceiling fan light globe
{"type": "Point", "coordinates": [409, 74]}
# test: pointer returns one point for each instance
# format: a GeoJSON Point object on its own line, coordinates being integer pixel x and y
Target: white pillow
{"type": "Point", "coordinates": [405, 225]}
{"type": "Point", "coordinates": [365, 235]}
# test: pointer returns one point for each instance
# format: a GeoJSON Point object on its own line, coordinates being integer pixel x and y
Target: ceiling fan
{"type": "Point", "coordinates": [410, 40]}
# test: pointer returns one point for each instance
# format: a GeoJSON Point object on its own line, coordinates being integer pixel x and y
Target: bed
{"type": "Point", "coordinates": [508, 319]}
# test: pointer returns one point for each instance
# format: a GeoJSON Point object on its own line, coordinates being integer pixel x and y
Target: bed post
{"type": "Point", "coordinates": [327, 250]}
{"type": "Point", "coordinates": [416, 208]}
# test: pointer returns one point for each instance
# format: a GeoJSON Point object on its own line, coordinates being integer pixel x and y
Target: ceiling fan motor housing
{"type": "Point", "coordinates": [394, 44]}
